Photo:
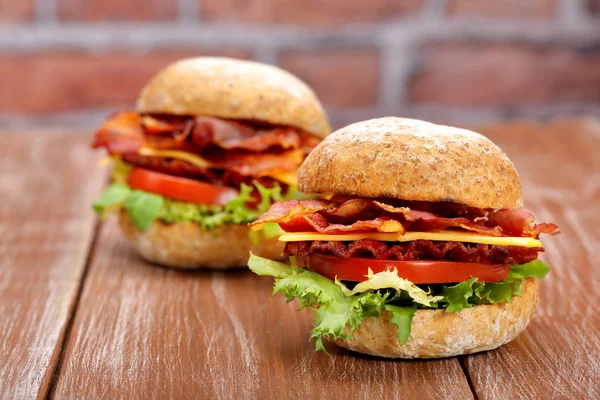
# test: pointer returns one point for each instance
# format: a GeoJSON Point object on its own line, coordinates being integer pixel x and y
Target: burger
{"type": "Point", "coordinates": [423, 249]}
{"type": "Point", "coordinates": [212, 143]}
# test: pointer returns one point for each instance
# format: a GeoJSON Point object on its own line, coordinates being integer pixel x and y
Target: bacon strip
{"type": "Point", "coordinates": [516, 222]}
{"type": "Point", "coordinates": [121, 133]}
{"type": "Point", "coordinates": [126, 132]}
{"type": "Point", "coordinates": [318, 223]}
{"type": "Point", "coordinates": [418, 250]}
{"type": "Point", "coordinates": [357, 214]}
{"type": "Point", "coordinates": [231, 135]}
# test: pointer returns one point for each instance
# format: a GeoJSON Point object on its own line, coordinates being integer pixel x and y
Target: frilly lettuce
{"type": "Point", "coordinates": [144, 207]}
{"type": "Point", "coordinates": [337, 315]}
{"type": "Point", "coordinates": [339, 310]}
{"type": "Point", "coordinates": [391, 280]}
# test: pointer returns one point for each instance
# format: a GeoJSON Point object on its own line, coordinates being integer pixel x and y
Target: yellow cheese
{"type": "Point", "coordinates": [105, 161]}
{"type": "Point", "coordinates": [288, 178]}
{"type": "Point", "coordinates": [439, 236]}
{"type": "Point", "coordinates": [181, 155]}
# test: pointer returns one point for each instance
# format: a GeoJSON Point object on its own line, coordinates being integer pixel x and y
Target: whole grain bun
{"type": "Point", "coordinates": [186, 245]}
{"type": "Point", "coordinates": [236, 89]}
{"type": "Point", "coordinates": [409, 159]}
{"type": "Point", "coordinates": [437, 333]}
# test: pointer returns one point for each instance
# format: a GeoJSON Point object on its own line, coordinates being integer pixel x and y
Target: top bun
{"type": "Point", "coordinates": [408, 159]}
{"type": "Point", "coordinates": [236, 89]}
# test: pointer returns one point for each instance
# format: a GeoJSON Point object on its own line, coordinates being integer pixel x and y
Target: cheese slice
{"type": "Point", "coordinates": [105, 161]}
{"type": "Point", "coordinates": [180, 155]}
{"type": "Point", "coordinates": [439, 236]}
{"type": "Point", "coordinates": [288, 178]}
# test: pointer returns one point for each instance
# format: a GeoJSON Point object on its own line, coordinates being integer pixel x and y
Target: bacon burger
{"type": "Point", "coordinates": [423, 250]}
{"type": "Point", "coordinates": [212, 143]}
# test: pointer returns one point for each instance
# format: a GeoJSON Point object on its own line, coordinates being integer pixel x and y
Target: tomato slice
{"type": "Point", "coordinates": [178, 188]}
{"type": "Point", "coordinates": [418, 271]}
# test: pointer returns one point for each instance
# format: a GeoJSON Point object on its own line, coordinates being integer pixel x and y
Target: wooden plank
{"type": "Point", "coordinates": [558, 356]}
{"type": "Point", "coordinates": [46, 226]}
{"type": "Point", "coordinates": [146, 332]}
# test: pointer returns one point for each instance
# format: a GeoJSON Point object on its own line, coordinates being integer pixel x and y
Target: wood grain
{"type": "Point", "coordinates": [46, 226]}
{"type": "Point", "coordinates": [558, 356]}
{"type": "Point", "coordinates": [144, 332]}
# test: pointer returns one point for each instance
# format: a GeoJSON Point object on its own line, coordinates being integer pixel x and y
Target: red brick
{"type": "Point", "coordinates": [593, 6]}
{"type": "Point", "coordinates": [495, 75]}
{"type": "Point", "coordinates": [51, 82]}
{"type": "Point", "coordinates": [341, 78]}
{"type": "Point", "coordinates": [320, 13]}
{"type": "Point", "coordinates": [16, 10]}
{"type": "Point", "coordinates": [503, 8]}
{"type": "Point", "coordinates": [117, 10]}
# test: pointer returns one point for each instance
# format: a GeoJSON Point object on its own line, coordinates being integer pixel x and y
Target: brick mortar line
{"type": "Point", "coordinates": [89, 120]}
{"type": "Point", "coordinates": [45, 12]}
{"type": "Point", "coordinates": [573, 12]}
{"type": "Point", "coordinates": [148, 36]}
{"type": "Point", "coordinates": [188, 11]}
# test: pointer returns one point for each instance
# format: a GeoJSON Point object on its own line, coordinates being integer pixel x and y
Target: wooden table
{"type": "Point", "coordinates": [81, 316]}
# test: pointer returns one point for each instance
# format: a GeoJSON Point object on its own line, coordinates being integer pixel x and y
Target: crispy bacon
{"type": "Point", "coordinates": [258, 164]}
{"type": "Point", "coordinates": [185, 169]}
{"type": "Point", "coordinates": [121, 133]}
{"type": "Point", "coordinates": [229, 169]}
{"type": "Point", "coordinates": [357, 214]}
{"type": "Point", "coordinates": [126, 132]}
{"type": "Point", "coordinates": [172, 166]}
{"type": "Point", "coordinates": [515, 222]}
{"type": "Point", "coordinates": [318, 223]}
{"type": "Point", "coordinates": [157, 126]}
{"type": "Point", "coordinates": [231, 135]}
{"type": "Point", "coordinates": [418, 250]}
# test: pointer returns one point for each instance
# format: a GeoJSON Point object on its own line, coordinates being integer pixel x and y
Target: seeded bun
{"type": "Point", "coordinates": [236, 89]}
{"type": "Point", "coordinates": [408, 159]}
{"type": "Point", "coordinates": [437, 333]}
{"type": "Point", "coordinates": [185, 245]}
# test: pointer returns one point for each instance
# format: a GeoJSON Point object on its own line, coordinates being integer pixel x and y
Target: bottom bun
{"type": "Point", "coordinates": [437, 333]}
{"type": "Point", "coordinates": [186, 245]}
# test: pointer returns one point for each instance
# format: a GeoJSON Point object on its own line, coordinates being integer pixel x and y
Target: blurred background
{"type": "Point", "coordinates": [68, 63]}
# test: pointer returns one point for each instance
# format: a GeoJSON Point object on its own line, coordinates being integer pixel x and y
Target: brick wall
{"type": "Point", "coordinates": [70, 62]}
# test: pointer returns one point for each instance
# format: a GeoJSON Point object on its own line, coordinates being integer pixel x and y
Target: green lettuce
{"type": "Point", "coordinates": [144, 208]}
{"type": "Point", "coordinates": [339, 311]}
{"type": "Point", "coordinates": [113, 197]}
{"type": "Point", "coordinates": [391, 280]}
{"type": "Point", "coordinates": [471, 293]}
{"type": "Point", "coordinates": [336, 315]}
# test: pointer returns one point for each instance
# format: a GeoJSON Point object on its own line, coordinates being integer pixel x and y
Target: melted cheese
{"type": "Point", "coordinates": [288, 178]}
{"type": "Point", "coordinates": [105, 161]}
{"type": "Point", "coordinates": [180, 155]}
{"type": "Point", "coordinates": [439, 236]}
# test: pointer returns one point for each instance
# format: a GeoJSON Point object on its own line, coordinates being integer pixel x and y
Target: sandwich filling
{"type": "Point", "coordinates": [206, 170]}
{"type": "Point", "coordinates": [354, 258]}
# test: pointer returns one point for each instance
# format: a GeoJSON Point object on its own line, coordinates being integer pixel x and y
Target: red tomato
{"type": "Point", "coordinates": [178, 188]}
{"type": "Point", "coordinates": [418, 271]}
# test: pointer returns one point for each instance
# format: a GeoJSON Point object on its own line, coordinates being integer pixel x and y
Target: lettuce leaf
{"type": "Point", "coordinates": [391, 280]}
{"type": "Point", "coordinates": [402, 318]}
{"type": "Point", "coordinates": [120, 171]}
{"type": "Point", "coordinates": [144, 208]}
{"type": "Point", "coordinates": [339, 311]}
{"type": "Point", "coordinates": [336, 314]}
{"type": "Point", "coordinates": [535, 269]}
{"type": "Point", "coordinates": [457, 297]}
{"type": "Point", "coordinates": [114, 195]}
